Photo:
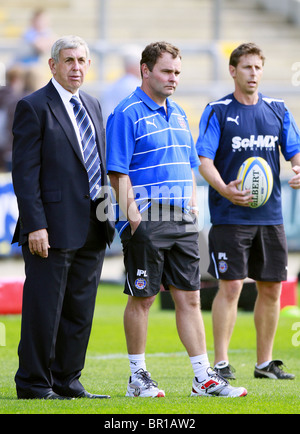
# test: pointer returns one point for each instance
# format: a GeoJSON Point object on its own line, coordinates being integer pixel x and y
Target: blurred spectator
{"type": "Point", "coordinates": [37, 40]}
{"type": "Point", "coordinates": [9, 96]}
{"type": "Point", "coordinates": [34, 79]}
{"type": "Point", "coordinates": [121, 88]}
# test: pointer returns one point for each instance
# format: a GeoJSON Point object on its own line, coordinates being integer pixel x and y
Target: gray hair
{"type": "Point", "coordinates": [67, 42]}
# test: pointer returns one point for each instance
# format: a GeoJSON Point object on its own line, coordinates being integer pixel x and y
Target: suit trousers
{"type": "Point", "coordinates": [58, 307]}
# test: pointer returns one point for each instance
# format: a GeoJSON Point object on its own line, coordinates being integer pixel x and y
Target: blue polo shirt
{"type": "Point", "coordinates": [231, 132]}
{"type": "Point", "coordinates": [154, 148]}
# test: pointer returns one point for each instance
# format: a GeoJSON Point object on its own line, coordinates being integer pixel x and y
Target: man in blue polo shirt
{"type": "Point", "coordinates": [244, 241]}
{"type": "Point", "coordinates": [150, 160]}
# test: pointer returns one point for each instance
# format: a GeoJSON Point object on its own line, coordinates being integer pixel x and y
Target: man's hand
{"type": "Point", "coordinates": [236, 196]}
{"type": "Point", "coordinates": [295, 181]}
{"type": "Point", "coordinates": [38, 243]}
{"type": "Point", "coordinates": [230, 191]}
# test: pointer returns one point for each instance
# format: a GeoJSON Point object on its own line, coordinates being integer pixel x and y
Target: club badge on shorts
{"type": "Point", "coordinates": [223, 267]}
{"type": "Point", "coordinates": [140, 283]}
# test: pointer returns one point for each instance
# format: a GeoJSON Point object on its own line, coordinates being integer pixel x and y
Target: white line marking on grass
{"type": "Point", "coordinates": [176, 354]}
{"type": "Point", "coordinates": [124, 356]}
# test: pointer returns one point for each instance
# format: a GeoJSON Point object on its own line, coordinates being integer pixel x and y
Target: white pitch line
{"type": "Point", "coordinates": [176, 354]}
{"type": "Point", "coordinates": [125, 356]}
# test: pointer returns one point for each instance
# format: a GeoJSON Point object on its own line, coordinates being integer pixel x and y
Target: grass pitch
{"type": "Point", "coordinates": [107, 369]}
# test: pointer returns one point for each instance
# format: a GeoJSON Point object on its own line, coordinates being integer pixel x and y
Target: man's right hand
{"type": "Point", "coordinates": [236, 196]}
{"type": "Point", "coordinates": [38, 243]}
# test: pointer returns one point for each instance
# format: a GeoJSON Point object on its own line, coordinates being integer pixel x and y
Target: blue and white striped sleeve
{"type": "Point", "coordinates": [120, 142]}
{"type": "Point", "coordinates": [209, 134]}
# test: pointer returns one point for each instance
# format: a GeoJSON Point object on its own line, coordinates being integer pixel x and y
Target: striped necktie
{"type": "Point", "coordinates": [89, 147]}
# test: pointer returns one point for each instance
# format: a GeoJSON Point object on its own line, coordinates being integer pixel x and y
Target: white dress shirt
{"type": "Point", "coordinates": [66, 96]}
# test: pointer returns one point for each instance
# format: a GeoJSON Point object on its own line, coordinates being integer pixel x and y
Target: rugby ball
{"type": "Point", "coordinates": [256, 176]}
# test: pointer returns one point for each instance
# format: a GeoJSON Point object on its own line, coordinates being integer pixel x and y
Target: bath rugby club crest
{"type": "Point", "coordinates": [140, 283]}
{"type": "Point", "coordinates": [182, 122]}
{"type": "Point", "coordinates": [223, 267]}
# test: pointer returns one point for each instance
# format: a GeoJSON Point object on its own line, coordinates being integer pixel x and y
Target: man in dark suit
{"type": "Point", "coordinates": [63, 240]}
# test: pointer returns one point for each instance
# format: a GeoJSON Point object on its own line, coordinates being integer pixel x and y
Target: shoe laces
{"type": "Point", "coordinates": [145, 377]}
{"type": "Point", "coordinates": [277, 365]}
{"type": "Point", "coordinates": [215, 376]}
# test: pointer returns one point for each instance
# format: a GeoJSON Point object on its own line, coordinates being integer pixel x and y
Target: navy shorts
{"type": "Point", "coordinates": [162, 251]}
{"type": "Point", "coordinates": [240, 251]}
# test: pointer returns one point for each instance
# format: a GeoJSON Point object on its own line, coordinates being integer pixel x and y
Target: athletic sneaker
{"type": "Point", "coordinates": [273, 371]}
{"type": "Point", "coordinates": [140, 384]}
{"type": "Point", "coordinates": [225, 370]}
{"type": "Point", "coordinates": [215, 385]}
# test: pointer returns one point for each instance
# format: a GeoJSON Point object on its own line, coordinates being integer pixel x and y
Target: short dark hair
{"type": "Point", "coordinates": [155, 50]}
{"type": "Point", "coordinates": [243, 50]}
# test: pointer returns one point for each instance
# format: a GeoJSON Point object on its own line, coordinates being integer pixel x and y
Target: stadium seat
{"type": "Point", "coordinates": [11, 292]}
{"type": "Point", "coordinates": [289, 293]}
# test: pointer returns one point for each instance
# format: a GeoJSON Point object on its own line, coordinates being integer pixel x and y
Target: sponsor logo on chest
{"type": "Point", "coordinates": [254, 142]}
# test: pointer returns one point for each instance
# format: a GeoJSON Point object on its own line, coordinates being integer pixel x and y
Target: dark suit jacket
{"type": "Point", "coordinates": [49, 176]}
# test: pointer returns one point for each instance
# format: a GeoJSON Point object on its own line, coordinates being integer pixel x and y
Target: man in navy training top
{"type": "Point", "coordinates": [151, 156]}
{"type": "Point", "coordinates": [244, 241]}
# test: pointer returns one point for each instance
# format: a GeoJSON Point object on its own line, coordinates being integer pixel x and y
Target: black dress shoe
{"type": "Point", "coordinates": [28, 394]}
{"type": "Point", "coordinates": [53, 395]}
{"type": "Point", "coordinates": [85, 394]}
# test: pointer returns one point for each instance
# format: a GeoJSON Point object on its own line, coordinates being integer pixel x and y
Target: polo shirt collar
{"type": "Point", "coordinates": [150, 103]}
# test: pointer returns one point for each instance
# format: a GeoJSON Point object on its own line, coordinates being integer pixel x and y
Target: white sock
{"type": "Point", "coordinates": [263, 365]}
{"type": "Point", "coordinates": [200, 365]}
{"type": "Point", "coordinates": [222, 364]}
{"type": "Point", "coordinates": [136, 362]}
